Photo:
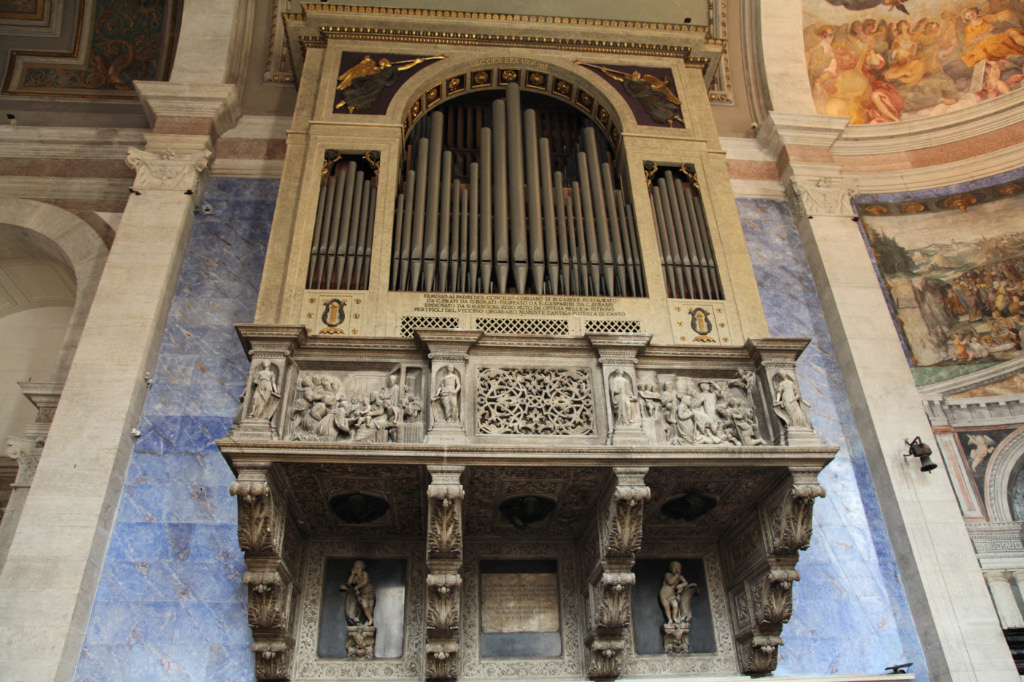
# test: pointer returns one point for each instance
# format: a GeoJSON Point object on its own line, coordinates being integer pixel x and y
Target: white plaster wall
{"type": "Point", "coordinates": [30, 344]}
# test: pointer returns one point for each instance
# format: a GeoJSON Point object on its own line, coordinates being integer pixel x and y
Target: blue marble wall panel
{"type": "Point", "coordinates": [850, 612]}
{"type": "Point", "coordinates": [171, 604]}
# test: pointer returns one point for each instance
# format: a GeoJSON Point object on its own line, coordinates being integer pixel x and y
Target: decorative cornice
{"type": "Point", "coordinates": [218, 103]}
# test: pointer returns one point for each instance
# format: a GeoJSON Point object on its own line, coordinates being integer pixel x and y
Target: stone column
{"type": "Point", "coordinates": [1002, 596]}
{"type": "Point", "coordinates": [616, 354]}
{"type": "Point", "coordinates": [448, 413]}
{"type": "Point", "coordinates": [958, 627]}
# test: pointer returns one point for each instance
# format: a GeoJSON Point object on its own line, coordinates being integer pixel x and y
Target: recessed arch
{"type": "Point", "coordinates": [1006, 461]}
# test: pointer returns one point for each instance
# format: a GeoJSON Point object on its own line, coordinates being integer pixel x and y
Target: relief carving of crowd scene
{"type": "Point", "coordinates": [685, 411]}
{"type": "Point", "coordinates": [959, 301]}
{"type": "Point", "coordinates": [874, 64]}
{"type": "Point", "coordinates": [329, 408]}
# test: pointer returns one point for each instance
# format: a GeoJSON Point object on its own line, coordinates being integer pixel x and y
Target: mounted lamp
{"type": "Point", "coordinates": [920, 450]}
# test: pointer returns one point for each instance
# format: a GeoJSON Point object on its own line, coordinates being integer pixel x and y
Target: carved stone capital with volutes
{"type": "Point", "coordinates": [266, 600]}
{"type": "Point", "coordinates": [261, 512]}
{"type": "Point", "coordinates": [445, 496]}
{"type": "Point", "coordinates": [168, 171]}
{"type": "Point", "coordinates": [823, 195]}
{"type": "Point", "coordinates": [26, 452]}
{"type": "Point", "coordinates": [605, 657]}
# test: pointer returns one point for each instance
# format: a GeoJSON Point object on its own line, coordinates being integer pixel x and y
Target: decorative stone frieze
{"type": "Point", "coordinates": [167, 171]}
{"type": "Point", "coordinates": [549, 402]}
{"type": "Point", "coordinates": [445, 495]}
{"type": "Point", "coordinates": [760, 557]}
{"type": "Point", "coordinates": [615, 541]}
{"type": "Point", "coordinates": [271, 552]}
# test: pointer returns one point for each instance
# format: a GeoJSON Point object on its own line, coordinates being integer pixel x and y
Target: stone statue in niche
{"type": "Point", "coordinates": [360, 600]}
{"type": "Point", "coordinates": [700, 411]}
{"type": "Point", "coordinates": [445, 403]}
{"type": "Point", "coordinates": [625, 404]}
{"type": "Point", "coordinates": [676, 597]}
{"type": "Point", "coordinates": [265, 396]}
{"type": "Point", "coordinates": [789, 403]}
{"type": "Point", "coordinates": [324, 411]}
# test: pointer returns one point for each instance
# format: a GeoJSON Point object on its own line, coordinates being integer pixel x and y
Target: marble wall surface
{"type": "Point", "coordinates": [171, 604]}
{"type": "Point", "coordinates": [850, 612]}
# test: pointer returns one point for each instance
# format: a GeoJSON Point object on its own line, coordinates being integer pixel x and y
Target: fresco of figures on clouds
{"type": "Point", "coordinates": [955, 280]}
{"type": "Point", "coordinates": [881, 61]}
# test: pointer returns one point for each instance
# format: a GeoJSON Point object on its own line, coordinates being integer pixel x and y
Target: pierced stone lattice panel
{"type": "Point", "coordinates": [536, 402]}
{"type": "Point", "coordinates": [612, 326]}
{"type": "Point", "coordinates": [409, 324]}
{"type": "Point", "coordinates": [501, 325]}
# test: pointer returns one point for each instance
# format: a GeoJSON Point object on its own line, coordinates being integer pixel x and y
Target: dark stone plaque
{"type": "Point", "coordinates": [388, 579]}
{"type": "Point", "coordinates": [504, 625]}
{"type": "Point", "coordinates": [648, 616]}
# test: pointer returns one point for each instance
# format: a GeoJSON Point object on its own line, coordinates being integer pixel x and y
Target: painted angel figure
{"type": "Point", "coordinates": [652, 92]}
{"type": "Point", "coordinates": [360, 85]}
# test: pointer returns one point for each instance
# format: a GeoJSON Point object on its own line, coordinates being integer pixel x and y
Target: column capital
{"type": "Point", "coordinates": [168, 171]}
{"type": "Point", "coordinates": [812, 196]}
{"type": "Point", "coordinates": [998, 576]}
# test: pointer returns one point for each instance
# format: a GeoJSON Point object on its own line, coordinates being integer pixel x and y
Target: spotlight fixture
{"type": "Point", "coordinates": [359, 507]}
{"type": "Point", "coordinates": [900, 668]}
{"type": "Point", "coordinates": [524, 511]}
{"type": "Point", "coordinates": [915, 448]}
{"type": "Point", "coordinates": [689, 507]}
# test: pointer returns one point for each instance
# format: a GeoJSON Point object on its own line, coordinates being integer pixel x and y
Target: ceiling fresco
{"type": "Point", "coordinates": [882, 61]}
{"type": "Point", "coordinates": [108, 44]}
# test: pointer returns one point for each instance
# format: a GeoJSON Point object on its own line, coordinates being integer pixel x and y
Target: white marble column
{"type": "Point", "coordinates": [1002, 597]}
{"type": "Point", "coordinates": [957, 625]}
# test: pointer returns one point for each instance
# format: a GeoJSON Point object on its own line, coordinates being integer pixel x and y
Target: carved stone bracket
{"type": "Point", "coordinates": [268, 541]}
{"type": "Point", "coordinates": [616, 539]}
{"type": "Point", "coordinates": [167, 171]}
{"type": "Point", "coordinates": [444, 567]}
{"type": "Point", "coordinates": [762, 559]}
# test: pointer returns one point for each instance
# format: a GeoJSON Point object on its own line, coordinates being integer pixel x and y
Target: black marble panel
{"type": "Point", "coordinates": [388, 579]}
{"type": "Point", "coordinates": [648, 616]}
{"type": "Point", "coordinates": [520, 644]}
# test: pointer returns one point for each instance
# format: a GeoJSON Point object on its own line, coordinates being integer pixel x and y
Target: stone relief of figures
{"type": "Point", "coordinates": [789, 403]}
{"type": "Point", "coordinates": [360, 600]}
{"type": "Point", "coordinates": [445, 402]}
{"type": "Point", "coordinates": [700, 411]}
{"type": "Point", "coordinates": [265, 396]}
{"type": "Point", "coordinates": [676, 597]}
{"type": "Point", "coordinates": [326, 409]}
{"type": "Point", "coordinates": [625, 404]}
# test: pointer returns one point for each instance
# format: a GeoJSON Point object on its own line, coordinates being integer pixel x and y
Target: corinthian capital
{"type": "Point", "coordinates": [816, 196]}
{"type": "Point", "coordinates": [167, 170]}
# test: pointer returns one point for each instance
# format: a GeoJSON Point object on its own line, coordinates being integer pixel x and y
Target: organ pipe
{"type": "Point", "coordinates": [502, 197]}
{"type": "Point", "coordinates": [687, 255]}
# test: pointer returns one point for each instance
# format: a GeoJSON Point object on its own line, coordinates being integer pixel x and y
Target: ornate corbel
{"type": "Point", "coordinates": [618, 536]}
{"type": "Point", "coordinates": [760, 654]}
{"type": "Point", "coordinates": [444, 565]}
{"type": "Point", "coordinates": [262, 536]}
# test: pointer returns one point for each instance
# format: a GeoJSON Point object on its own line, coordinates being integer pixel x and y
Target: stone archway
{"type": "Point", "coordinates": [83, 250]}
{"type": "Point", "coordinates": [1006, 463]}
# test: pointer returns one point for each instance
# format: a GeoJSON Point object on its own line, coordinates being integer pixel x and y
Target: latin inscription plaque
{"type": "Point", "coordinates": [519, 602]}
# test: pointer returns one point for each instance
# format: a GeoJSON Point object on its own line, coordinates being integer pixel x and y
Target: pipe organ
{"type": "Point", "coordinates": [502, 198]}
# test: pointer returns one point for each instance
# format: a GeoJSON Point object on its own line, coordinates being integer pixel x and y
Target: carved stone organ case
{"type": "Point", "coordinates": [513, 410]}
